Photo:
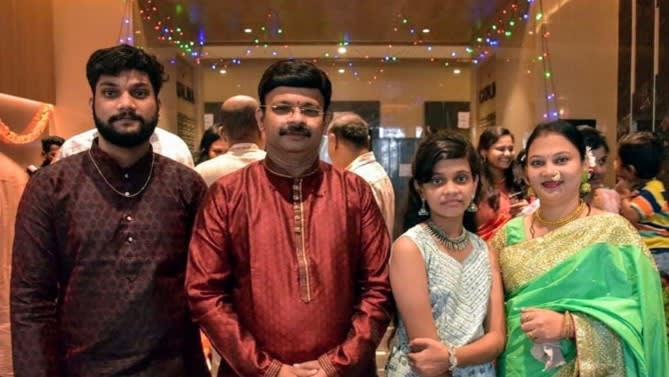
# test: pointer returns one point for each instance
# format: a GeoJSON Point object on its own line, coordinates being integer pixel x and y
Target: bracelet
{"type": "Point", "coordinates": [452, 359]}
{"type": "Point", "coordinates": [567, 326]}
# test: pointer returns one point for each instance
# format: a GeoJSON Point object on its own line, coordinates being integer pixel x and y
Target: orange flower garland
{"type": "Point", "coordinates": [35, 128]}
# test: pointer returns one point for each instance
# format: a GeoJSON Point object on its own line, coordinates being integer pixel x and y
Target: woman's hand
{"type": "Point", "coordinates": [428, 357]}
{"type": "Point", "coordinates": [541, 325]}
{"type": "Point", "coordinates": [517, 207]}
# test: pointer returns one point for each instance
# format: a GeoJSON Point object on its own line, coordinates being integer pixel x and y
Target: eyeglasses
{"type": "Point", "coordinates": [285, 109]}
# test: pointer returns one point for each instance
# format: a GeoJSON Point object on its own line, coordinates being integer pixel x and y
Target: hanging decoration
{"type": "Point", "coordinates": [32, 132]}
{"type": "Point", "coordinates": [125, 34]}
{"type": "Point", "coordinates": [502, 29]}
{"type": "Point", "coordinates": [169, 32]}
{"type": "Point", "coordinates": [552, 112]}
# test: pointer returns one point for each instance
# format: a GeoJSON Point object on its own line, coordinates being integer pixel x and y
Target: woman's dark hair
{"type": "Point", "coordinates": [513, 176]}
{"type": "Point", "coordinates": [209, 136]}
{"type": "Point", "coordinates": [562, 128]}
{"type": "Point", "coordinates": [593, 137]}
{"type": "Point", "coordinates": [443, 145]}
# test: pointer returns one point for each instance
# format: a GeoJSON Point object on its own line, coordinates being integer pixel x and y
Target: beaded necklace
{"type": "Point", "coordinates": [456, 244]}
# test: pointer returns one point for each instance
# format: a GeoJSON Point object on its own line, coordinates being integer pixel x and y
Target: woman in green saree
{"type": "Point", "coordinates": [583, 296]}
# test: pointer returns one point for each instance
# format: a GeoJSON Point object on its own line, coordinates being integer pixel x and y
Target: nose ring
{"type": "Point", "coordinates": [556, 176]}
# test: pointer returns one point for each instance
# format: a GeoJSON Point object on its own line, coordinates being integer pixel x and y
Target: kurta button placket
{"type": "Point", "coordinates": [300, 248]}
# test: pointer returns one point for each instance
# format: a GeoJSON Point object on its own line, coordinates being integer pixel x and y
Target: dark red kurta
{"type": "Point", "coordinates": [287, 270]}
{"type": "Point", "coordinates": [97, 279]}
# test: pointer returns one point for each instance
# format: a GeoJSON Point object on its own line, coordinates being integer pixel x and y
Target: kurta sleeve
{"type": "Point", "coordinates": [374, 306]}
{"type": "Point", "coordinates": [194, 192]}
{"type": "Point", "coordinates": [209, 288]}
{"type": "Point", "coordinates": [34, 285]}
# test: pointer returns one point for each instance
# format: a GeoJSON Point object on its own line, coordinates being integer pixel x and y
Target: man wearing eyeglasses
{"type": "Point", "coordinates": [287, 266]}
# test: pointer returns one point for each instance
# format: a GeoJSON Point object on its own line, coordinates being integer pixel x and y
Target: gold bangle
{"type": "Point", "coordinates": [567, 326]}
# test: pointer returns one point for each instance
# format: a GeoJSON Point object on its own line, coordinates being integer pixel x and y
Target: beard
{"type": "Point", "coordinates": [126, 139]}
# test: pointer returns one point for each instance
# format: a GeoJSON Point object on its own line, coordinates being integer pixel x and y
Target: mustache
{"type": "Point", "coordinates": [125, 116]}
{"type": "Point", "coordinates": [295, 129]}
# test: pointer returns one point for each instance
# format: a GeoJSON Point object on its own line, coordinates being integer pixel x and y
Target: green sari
{"type": "Point", "coordinates": [597, 268]}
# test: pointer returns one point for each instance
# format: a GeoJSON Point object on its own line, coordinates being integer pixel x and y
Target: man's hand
{"type": "Point", "coordinates": [311, 366]}
{"type": "Point", "coordinates": [296, 371]}
{"type": "Point", "coordinates": [517, 207]}
{"type": "Point", "coordinates": [428, 357]}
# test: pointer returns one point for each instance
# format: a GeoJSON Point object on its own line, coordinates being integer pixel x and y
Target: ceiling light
{"type": "Point", "coordinates": [457, 71]}
{"type": "Point", "coordinates": [341, 70]}
{"type": "Point", "coordinates": [223, 71]}
{"type": "Point", "coordinates": [248, 30]}
{"type": "Point", "coordinates": [426, 30]}
{"type": "Point", "coordinates": [341, 50]}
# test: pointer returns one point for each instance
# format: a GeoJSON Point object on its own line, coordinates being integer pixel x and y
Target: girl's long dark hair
{"type": "Point", "coordinates": [443, 145]}
{"type": "Point", "coordinates": [513, 176]}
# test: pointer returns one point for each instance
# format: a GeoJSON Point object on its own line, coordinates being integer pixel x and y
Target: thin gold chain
{"type": "Point", "coordinates": [123, 194]}
{"type": "Point", "coordinates": [563, 220]}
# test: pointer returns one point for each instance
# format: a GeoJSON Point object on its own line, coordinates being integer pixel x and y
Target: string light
{"type": "Point", "coordinates": [512, 16]}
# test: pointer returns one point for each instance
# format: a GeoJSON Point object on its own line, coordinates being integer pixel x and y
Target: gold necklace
{"type": "Point", "coordinates": [123, 194]}
{"type": "Point", "coordinates": [562, 220]}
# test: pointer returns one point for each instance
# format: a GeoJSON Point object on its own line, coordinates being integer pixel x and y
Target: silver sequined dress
{"type": "Point", "coordinates": [459, 295]}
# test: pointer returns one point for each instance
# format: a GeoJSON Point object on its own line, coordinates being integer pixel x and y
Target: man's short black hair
{"type": "Point", "coordinates": [48, 141]}
{"type": "Point", "coordinates": [296, 74]}
{"type": "Point", "coordinates": [114, 60]}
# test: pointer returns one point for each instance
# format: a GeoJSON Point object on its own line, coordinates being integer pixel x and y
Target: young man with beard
{"type": "Point", "coordinates": [101, 242]}
{"type": "Point", "coordinates": [287, 271]}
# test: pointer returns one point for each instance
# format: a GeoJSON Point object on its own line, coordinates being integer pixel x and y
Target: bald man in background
{"type": "Point", "coordinates": [349, 149]}
{"type": "Point", "coordinates": [244, 137]}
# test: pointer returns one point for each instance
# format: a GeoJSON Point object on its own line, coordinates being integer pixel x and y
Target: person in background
{"type": "Point", "coordinates": [163, 142]}
{"type": "Point", "coordinates": [246, 141]}
{"type": "Point", "coordinates": [13, 180]}
{"type": "Point", "coordinates": [101, 242]}
{"type": "Point", "coordinates": [212, 144]}
{"type": "Point", "coordinates": [503, 187]}
{"type": "Point", "coordinates": [582, 293]}
{"type": "Point", "coordinates": [349, 149]}
{"type": "Point", "coordinates": [644, 197]}
{"type": "Point", "coordinates": [287, 271]}
{"type": "Point", "coordinates": [446, 284]}
{"type": "Point", "coordinates": [597, 154]}
{"type": "Point", "coordinates": [240, 128]}
{"type": "Point", "coordinates": [50, 148]}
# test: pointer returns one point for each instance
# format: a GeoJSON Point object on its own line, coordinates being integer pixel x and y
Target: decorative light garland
{"type": "Point", "coordinates": [512, 15]}
{"type": "Point", "coordinates": [35, 128]}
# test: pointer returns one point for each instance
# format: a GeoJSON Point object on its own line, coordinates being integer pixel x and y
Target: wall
{"type": "Point", "coordinates": [81, 27]}
{"type": "Point", "coordinates": [27, 49]}
{"type": "Point", "coordinates": [402, 87]}
{"type": "Point", "coordinates": [27, 77]}
{"type": "Point", "coordinates": [583, 46]}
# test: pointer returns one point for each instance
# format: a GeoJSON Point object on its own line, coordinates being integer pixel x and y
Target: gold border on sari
{"type": "Point", "coordinates": [529, 259]}
{"type": "Point", "coordinates": [599, 350]}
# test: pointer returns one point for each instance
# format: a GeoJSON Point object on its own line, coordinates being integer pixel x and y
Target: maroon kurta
{"type": "Point", "coordinates": [287, 270]}
{"type": "Point", "coordinates": [97, 279]}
